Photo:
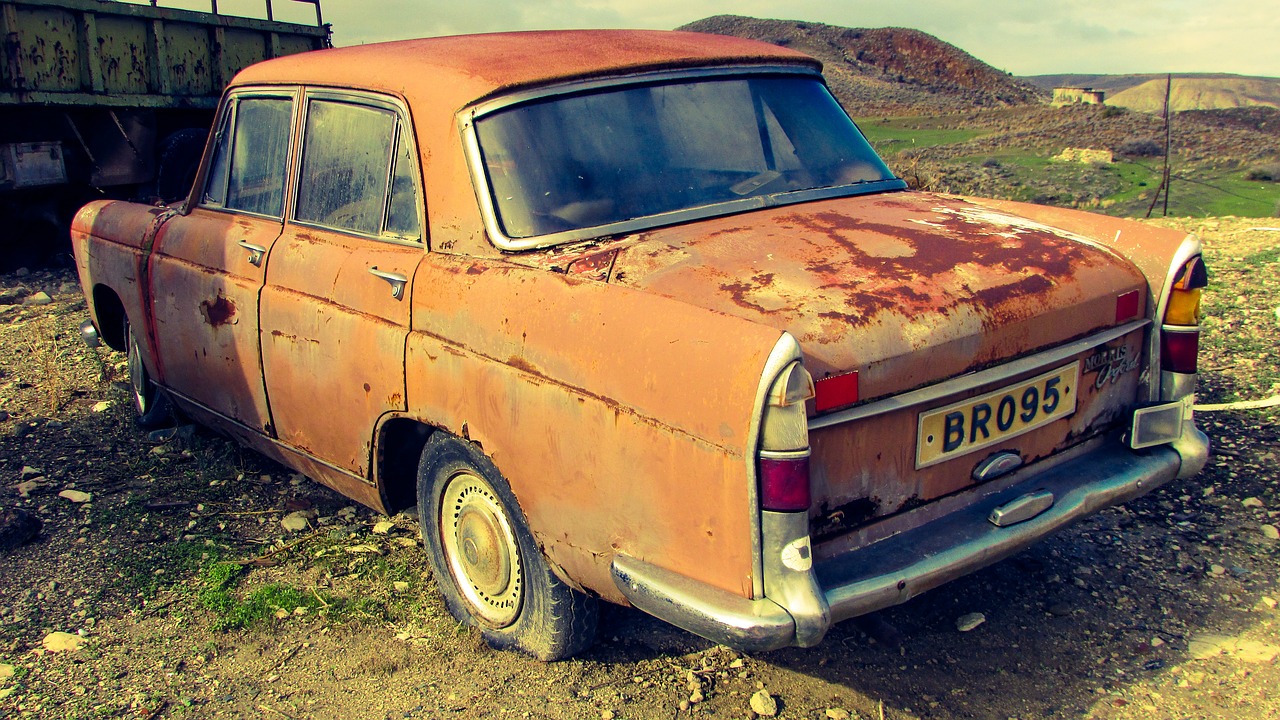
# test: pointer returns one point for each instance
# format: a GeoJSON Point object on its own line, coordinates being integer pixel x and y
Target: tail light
{"type": "Point", "coordinates": [1180, 332]}
{"type": "Point", "coordinates": [783, 460]}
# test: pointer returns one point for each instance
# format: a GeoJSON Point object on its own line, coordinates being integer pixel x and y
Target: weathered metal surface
{"type": "Point", "coordinates": [593, 413]}
{"type": "Point", "coordinates": [333, 337]}
{"type": "Point", "coordinates": [204, 310]}
{"type": "Point", "coordinates": [88, 52]}
{"type": "Point", "coordinates": [904, 288]}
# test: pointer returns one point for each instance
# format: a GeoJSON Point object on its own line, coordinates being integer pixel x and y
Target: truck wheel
{"type": "Point", "coordinates": [150, 405]}
{"type": "Point", "coordinates": [486, 563]}
{"type": "Point", "coordinates": [178, 163]}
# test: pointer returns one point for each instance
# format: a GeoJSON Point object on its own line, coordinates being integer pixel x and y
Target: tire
{"type": "Point", "coordinates": [488, 567]}
{"type": "Point", "coordinates": [150, 405]}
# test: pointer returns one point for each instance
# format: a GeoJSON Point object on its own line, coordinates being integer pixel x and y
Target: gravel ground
{"type": "Point", "coordinates": [1164, 608]}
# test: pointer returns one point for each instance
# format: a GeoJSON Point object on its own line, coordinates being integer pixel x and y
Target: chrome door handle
{"type": "Point", "coordinates": [396, 280]}
{"type": "Point", "coordinates": [256, 253]}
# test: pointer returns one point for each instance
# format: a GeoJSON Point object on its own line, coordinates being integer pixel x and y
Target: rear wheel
{"type": "Point", "coordinates": [488, 567]}
{"type": "Point", "coordinates": [149, 403]}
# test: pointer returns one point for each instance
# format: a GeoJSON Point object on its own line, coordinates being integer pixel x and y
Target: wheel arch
{"type": "Point", "coordinates": [109, 314]}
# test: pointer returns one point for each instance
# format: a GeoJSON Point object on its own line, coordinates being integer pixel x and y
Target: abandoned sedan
{"type": "Point", "coordinates": [641, 317]}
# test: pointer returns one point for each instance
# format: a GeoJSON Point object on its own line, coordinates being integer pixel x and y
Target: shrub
{"type": "Point", "coordinates": [1268, 173]}
{"type": "Point", "coordinates": [1141, 148]}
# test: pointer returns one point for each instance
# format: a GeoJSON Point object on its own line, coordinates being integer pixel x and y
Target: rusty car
{"type": "Point", "coordinates": [641, 317]}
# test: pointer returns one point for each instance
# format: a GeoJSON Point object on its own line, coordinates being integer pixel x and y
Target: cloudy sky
{"type": "Point", "coordinates": [1025, 37]}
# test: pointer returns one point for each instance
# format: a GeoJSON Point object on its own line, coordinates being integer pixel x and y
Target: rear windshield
{"type": "Point", "coordinates": [581, 161]}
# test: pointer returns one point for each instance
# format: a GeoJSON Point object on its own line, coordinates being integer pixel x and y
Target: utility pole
{"type": "Point", "coordinates": [1168, 143]}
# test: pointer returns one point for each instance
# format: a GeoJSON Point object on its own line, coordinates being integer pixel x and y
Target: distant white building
{"type": "Point", "coordinates": [1077, 96]}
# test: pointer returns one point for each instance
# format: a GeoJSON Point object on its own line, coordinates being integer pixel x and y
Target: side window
{"type": "Point", "coordinates": [357, 173]}
{"type": "Point", "coordinates": [250, 158]}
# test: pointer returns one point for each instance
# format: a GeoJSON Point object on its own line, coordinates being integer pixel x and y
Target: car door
{"type": "Point", "coordinates": [208, 265]}
{"type": "Point", "coordinates": [335, 314]}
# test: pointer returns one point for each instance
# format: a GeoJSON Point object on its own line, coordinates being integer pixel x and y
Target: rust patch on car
{"type": "Point", "coordinates": [218, 311]}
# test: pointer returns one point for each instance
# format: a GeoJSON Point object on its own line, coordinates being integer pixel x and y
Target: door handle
{"type": "Point", "coordinates": [396, 280]}
{"type": "Point", "coordinates": [256, 253]}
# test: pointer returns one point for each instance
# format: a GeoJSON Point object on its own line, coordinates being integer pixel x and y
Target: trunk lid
{"type": "Point", "coordinates": [912, 290]}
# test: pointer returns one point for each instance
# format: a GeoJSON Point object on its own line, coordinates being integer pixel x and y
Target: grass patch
{"type": "Point", "coordinates": [894, 135]}
{"type": "Point", "coordinates": [235, 611]}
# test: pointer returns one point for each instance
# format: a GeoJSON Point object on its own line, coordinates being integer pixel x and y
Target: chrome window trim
{"type": "Point", "coordinates": [403, 132]}
{"type": "Point", "coordinates": [227, 111]}
{"type": "Point", "coordinates": [484, 196]}
{"type": "Point", "coordinates": [785, 351]}
{"type": "Point", "coordinates": [975, 380]}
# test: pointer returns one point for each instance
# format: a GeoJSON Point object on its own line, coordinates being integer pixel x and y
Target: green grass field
{"type": "Point", "coordinates": [1124, 188]}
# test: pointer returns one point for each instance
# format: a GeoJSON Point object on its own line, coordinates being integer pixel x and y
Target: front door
{"type": "Point", "coordinates": [208, 265]}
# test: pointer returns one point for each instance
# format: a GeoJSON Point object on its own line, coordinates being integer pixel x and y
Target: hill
{"type": "Point", "coordinates": [1200, 94]}
{"type": "Point", "coordinates": [887, 70]}
{"type": "Point", "coordinates": [1191, 91]}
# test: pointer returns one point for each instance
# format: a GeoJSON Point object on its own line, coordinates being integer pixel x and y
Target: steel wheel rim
{"type": "Point", "coordinates": [481, 550]}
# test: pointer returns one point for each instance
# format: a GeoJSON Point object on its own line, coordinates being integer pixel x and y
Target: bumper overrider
{"type": "Point", "coordinates": [803, 597]}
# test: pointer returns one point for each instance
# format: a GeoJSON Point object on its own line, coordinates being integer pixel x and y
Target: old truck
{"type": "Point", "coordinates": [113, 99]}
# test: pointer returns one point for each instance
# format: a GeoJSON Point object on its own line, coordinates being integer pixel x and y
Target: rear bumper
{"type": "Point", "coordinates": [909, 563]}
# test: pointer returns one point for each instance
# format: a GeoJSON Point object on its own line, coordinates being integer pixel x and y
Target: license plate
{"type": "Point", "coordinates": [979, 422]}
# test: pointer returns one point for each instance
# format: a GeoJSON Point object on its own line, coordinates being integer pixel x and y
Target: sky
{"type": "Point", "coordinates": [1024, 37]}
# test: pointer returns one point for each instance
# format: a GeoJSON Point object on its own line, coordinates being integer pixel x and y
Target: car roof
{"type": "Point", "coordinates": [459, 70]}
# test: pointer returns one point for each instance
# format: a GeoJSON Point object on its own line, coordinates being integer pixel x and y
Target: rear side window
{"type": "Point", "coordinates": [251, 156]}
{"type": "Point", "coordinates": [357, 171]}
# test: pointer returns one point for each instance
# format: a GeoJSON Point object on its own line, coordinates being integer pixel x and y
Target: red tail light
{"type": "Point", "coordinates": [1179, 350]}
{"type": "Point", "coordinates": [784, 484]}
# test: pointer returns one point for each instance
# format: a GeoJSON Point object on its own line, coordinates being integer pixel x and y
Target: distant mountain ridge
{"type": "Point", "coordinates": [1190, 91]}
{"type": "Point", "coordinates": [886, 69]}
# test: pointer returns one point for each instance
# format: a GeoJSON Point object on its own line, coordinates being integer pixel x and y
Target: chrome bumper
{"type": "Point", "coordinates": [801, 604]}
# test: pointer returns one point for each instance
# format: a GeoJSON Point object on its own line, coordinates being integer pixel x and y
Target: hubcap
{"type": "Point", "coordinates": [481, 549]}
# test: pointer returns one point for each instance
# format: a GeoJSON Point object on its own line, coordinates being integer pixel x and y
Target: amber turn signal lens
{"type": "Point", "coordinates": [1183, 308]}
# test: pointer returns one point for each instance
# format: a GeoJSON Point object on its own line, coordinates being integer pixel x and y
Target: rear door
{"type": "Point", "coordinates": [334, 310]}
{"type": "Point", "coordinates": [208, 266]}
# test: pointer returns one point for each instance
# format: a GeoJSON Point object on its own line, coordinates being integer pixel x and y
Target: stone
{"type": "Point", "coordinates": [382, 527]}
{"type": "Point", "coordinates": [76, 496]}
{"type": "Point", "coordinates": [7, 671]}
{"type": "Point", "coordinates": [1252, 502]}
{"type": "Point", "coordinates": [40, 298]}
{"type": "Point", "coordinates": [400, 586]}
{"type": "Point", "coordinates": [17, 528]}
{"type": "Point", "coordinates": [837, 714]}
{"type": "Point", "coordinates": [296, 522]}
{"type": "Point", "coordinates": [606, 714]}
{"type": "Point", "coordinates": [364, 549]}
{"type": "Point", "coordinates": [764, 704]}
{"type": "Point", "coordinates": [1268, 602]}
{"type": "Point", "coordinates": [1217, 570]}
{"type": "Point", "coordinates": [31, 473]}
{"type": "Point", "coordinates": [965, 623]}
{"type": "Point", "coordinates": [1270, 532]}
{"type": "Point", "coordinates": [62, 642]}
{"type": "Point", "coordinates": [26, 488]}
{"type": "Point", "coordinates": [100, 407]}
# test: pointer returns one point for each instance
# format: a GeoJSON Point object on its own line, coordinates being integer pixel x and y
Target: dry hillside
{"type": "Point", "coordinates": [886, 70]}
{"type": "Point", "coordinates": [1200, 94]}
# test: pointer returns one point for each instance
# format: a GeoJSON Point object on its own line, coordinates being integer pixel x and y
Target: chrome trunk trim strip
{"type": "Point", "coordinates": [1000, 373]}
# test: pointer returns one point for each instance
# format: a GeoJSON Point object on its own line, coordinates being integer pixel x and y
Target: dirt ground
{"type": "Point", "coordinates": [1164, 608]}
